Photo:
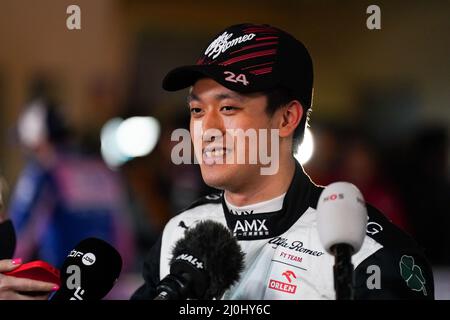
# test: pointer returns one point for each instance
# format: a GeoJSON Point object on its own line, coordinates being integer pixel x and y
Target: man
{"type": "Point", "coordinates": [257, 77]}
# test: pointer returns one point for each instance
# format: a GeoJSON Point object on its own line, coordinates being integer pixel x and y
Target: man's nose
{"type": "Point", "coordinates": [212, 126]}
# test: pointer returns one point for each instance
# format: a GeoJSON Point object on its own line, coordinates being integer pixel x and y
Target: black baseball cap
{"type": "Point", "coordinates": [249, 58]}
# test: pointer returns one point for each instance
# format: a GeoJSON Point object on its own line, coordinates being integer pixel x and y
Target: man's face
{"type": "Point", "coordinates": [218, 112]}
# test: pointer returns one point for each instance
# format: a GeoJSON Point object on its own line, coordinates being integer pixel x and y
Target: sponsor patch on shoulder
{"type": "Point", "coordinates": [412, 274]}
{"type": "Point", "coordinates": [287, 285]}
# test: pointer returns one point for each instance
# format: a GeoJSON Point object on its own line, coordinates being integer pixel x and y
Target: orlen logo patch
{"type": "Point", "coordinates": [284, 286]}
{"type": "Point", "coordinates": [288, 274]}
{"type": "Point", "coordinates": [88, 259]}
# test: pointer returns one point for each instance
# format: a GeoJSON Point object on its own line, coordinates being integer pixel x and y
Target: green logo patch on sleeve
{"type": "Point", "coordinates": [412, 274]}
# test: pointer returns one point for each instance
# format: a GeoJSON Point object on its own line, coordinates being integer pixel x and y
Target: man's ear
{"type": "Point", "coordinates": [291, 116]}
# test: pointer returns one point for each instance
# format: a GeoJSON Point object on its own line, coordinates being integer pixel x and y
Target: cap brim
{"type": "Point", "coordinates": [186, 76]}
{"type": "Point", "coordinates": [183, 77]}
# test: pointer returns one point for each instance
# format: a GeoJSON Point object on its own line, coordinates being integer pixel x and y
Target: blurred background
{"type": "Point", "coordinates": [85, 125]}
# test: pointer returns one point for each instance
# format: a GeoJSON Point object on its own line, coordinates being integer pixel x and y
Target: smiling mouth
{"type": "Point", "coordinates": [212, 154]}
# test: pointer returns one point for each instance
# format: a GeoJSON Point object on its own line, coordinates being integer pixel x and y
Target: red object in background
{"type": "Point", "coordinates": [36, 270]}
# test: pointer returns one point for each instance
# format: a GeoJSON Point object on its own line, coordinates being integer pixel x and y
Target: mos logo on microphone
{"type": "Point", "coordinates": [340, 196]}
{"type": "Point", "coordinates": [333, 197]}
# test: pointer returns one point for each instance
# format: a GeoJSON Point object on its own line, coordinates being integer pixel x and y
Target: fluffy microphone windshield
{"type": "Point", "coordinates": [218, 250]}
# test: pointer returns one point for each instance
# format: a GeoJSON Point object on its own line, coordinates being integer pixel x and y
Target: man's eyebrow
{"type": "Point", "coordinates": [220, 96]}
{"type": "Point", "coordinates": [192, 97]}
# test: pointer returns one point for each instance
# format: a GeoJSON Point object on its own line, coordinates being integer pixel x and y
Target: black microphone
{"type": "Point", "coordinates": [205, 263]}
{"type": "Point", "coordinates": [341, 222]}
{"type": "Point", "coordinates": [89, 271]}
{"type": "Point", "coordinates": [8, 240]}
{"type": "Point", "coordinates": [7, 232]}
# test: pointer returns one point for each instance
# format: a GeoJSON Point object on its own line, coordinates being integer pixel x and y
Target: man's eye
{"type": "Point", "coordinates": [195, 110]}
{"type": "Point", "coordinates": [228, 108]}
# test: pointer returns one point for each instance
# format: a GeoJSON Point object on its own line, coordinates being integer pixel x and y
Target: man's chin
{"type": "Point", "coordinates": [216, 176]}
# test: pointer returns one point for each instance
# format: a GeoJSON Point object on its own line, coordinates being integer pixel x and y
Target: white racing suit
{"type": "Point", "coordinates": [284, 258]}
